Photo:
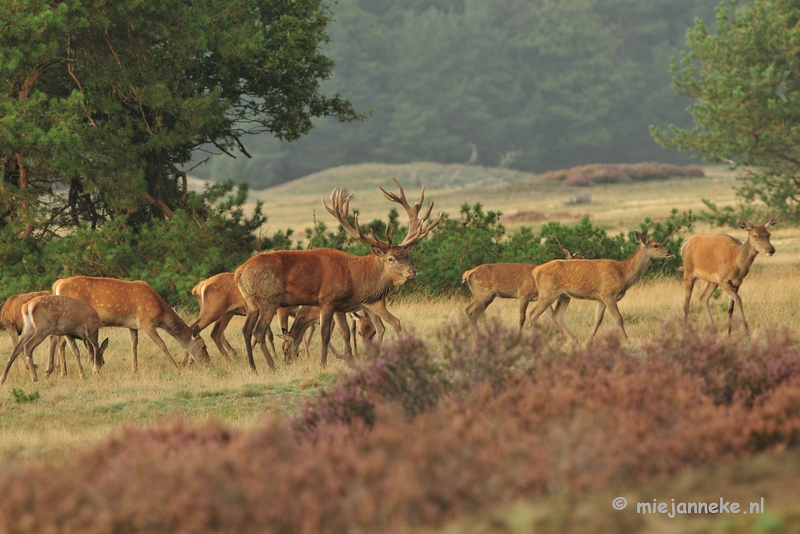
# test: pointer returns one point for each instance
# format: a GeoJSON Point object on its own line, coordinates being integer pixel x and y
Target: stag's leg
{"type": "Point", "coordinates": [354, 336]}
{"type": "Point", "coordinates": [733, 293]}
{"type": "Point", "coordinates": [688, 285]}
{"type": "Point", "coordinates": [344, 329]}
{"type": "Point", "coordinates": [325, 323]}
{"type": "Point", "coordinates": [705, 299]}
{"type": "Point", "coordinates": [247, 332]}
{"type": "Point", "coordinates": [152, 333]}
{"type": "Point", "coordinates": [262, 327]}
{"type": "Point", "coordinates": [614, 310]}
{"type": "Point", "coordinates": [74, 348]}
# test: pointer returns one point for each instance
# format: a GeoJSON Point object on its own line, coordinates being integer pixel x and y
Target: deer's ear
{"type": "Point", "coordinates": [743, 224]}
{"type": "Point", "coordinates": [378, 251]}
{"type": "Point", "coordinates": [196, 332]}
{"type": "Point", "coordinates": [103, 345]}
{"type": "Point", "coordinates": [642, 238]}
{"type": "Point", "coordinates": [284, 332]}
{"type": "Point", "coordinates": [410, 248]}
{"type": "Point", "coordinates": [772, 220]}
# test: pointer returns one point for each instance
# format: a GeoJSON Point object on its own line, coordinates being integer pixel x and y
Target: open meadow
{"type": "Point", "coordinates": [71, 414]}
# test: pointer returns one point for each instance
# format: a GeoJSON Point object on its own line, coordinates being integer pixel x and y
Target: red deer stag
{"type": "Point", "coordinates": [723, 261]}
{"type": "Point", "coordinates": [135, 306]}
{"type": "Point", "coordinates": [507, 281]}
{"type": "Point", "coordinates": [331, 279]}
{"type": "Point", "coordinates": [52, 315]}
{"type": "Point", "coordinates": [604, 281]}
{"type": "Point", "coordinates": [220, 300]}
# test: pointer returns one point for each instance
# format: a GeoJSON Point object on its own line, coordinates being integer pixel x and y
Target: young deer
{"type": "Point", "coordinates": [723, 261]}
{"type": "Point", "coordinates": [135, 306]}
{"type": "Point", "coordinates": [309, 316]}
{"type": "Point", "coordinates": [504, 280]}
{"type": "Point", "coordinates": [52, 315]}
{"type": "Point", "coordinates": [605, 281]}
{"type": "Point", "coordinates": [11, 315]}
{"type": "Point", "coordinates": [331, 279]}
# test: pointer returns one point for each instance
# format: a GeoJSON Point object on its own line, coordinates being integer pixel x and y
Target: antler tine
{"type": "Point", "coordinates": [420, 233]}
{"type": "Point", "coordinates": [416, 229]}
{"type": "Point", "coordinates": [340, 208]}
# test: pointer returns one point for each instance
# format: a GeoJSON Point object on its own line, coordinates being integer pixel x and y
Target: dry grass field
{"type": "Point", "coordinates": [71, 412]}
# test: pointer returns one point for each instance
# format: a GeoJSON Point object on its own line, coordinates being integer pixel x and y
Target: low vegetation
{"type": "Point", "coordinates": [586, 175]}
{"type": "Point", "coordinates": [504, 418]}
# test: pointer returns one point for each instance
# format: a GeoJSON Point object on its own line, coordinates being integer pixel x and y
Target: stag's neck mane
{"type": "Point", "coordinates": [370, 267]}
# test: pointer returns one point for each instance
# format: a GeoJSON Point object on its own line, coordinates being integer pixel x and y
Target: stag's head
{"type": "Point", "coordinates": [654, 249]}
{"type": "Point", "coordinates": [394, 259]}
{"type": "Point", "coordinates": [759, 235]}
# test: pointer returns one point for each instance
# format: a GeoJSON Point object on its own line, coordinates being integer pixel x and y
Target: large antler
{"type": "Point", "coordinates": [340, 210]}
{"type": "Point", "coordinates": [416, 229]}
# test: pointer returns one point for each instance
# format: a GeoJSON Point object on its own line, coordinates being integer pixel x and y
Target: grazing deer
{"type": "Point", "coordinates": [605, 281]}
{"type": "Point", "coordinates": [309, 316]}
{"type": "Point", "coordinates": [507, 281]}
{"type": "Point", "coordinates": [11, 315]}
{"type": "Point", "coordinates": [723, 261]}
{"type": "Point", "coordinates": [331, 279]}
{"type": "Point", "coordinates": [52, 315]}
{"type": "Point", "coordinates": [135, 306]}
{"type": "Point", "coordinates": [306, 318]}
{"type": "Point", "coordinates": [220, 300]}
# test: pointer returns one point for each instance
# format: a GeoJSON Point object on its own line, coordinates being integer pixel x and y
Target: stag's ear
{"type": "Point", "coordinates": [196, 332]}
{"type": "Point", "coordinates": [378, 251]}
{"type": "Point", "coordinates": [410, 248]}
{"type": "Point", "coordinates": [642, 238]}
{"type": "Point", "coordinates": [743, 224]}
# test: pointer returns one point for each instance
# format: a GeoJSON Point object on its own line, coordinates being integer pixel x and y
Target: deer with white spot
{"type": "Point", "coordinates": [135, 305]}
{"type": "Point", "coordinates": [53, 315]}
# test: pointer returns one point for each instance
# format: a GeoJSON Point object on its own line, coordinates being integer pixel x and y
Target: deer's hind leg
{"type": "Point", "coordinates": [705, 299]}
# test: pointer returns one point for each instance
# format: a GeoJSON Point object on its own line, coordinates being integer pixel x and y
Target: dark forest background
{"type": "Point", "coordinates": [534, 85]}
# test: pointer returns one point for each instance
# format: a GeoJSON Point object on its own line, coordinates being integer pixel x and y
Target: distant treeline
{"type": "Point", "coordinates": [535, 85]}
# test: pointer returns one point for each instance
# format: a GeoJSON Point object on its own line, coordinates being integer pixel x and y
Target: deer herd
{"type": "Point", "coordinates": [324, 286]}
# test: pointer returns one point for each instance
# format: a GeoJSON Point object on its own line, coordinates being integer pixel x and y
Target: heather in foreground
{"type": "Point", "coordinates": [415, 436]}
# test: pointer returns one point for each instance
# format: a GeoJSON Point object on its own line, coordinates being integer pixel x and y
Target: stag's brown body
{"type": "Point", "coordinates": [723, 261]}
{"type": "Point", "coordinates": [603, 280]}
{"type": "Point", "coordinates": [58, 316]}
{"type": "Point", "coordinates": [136, 306]}
{"type": "Point", "coordinates": [333, 280]}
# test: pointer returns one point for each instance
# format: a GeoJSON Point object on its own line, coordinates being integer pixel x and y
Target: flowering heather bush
{"type": "Point", "coordinates": [586, 175]}
{"type": "Point", "coordinates": [445, 438]}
